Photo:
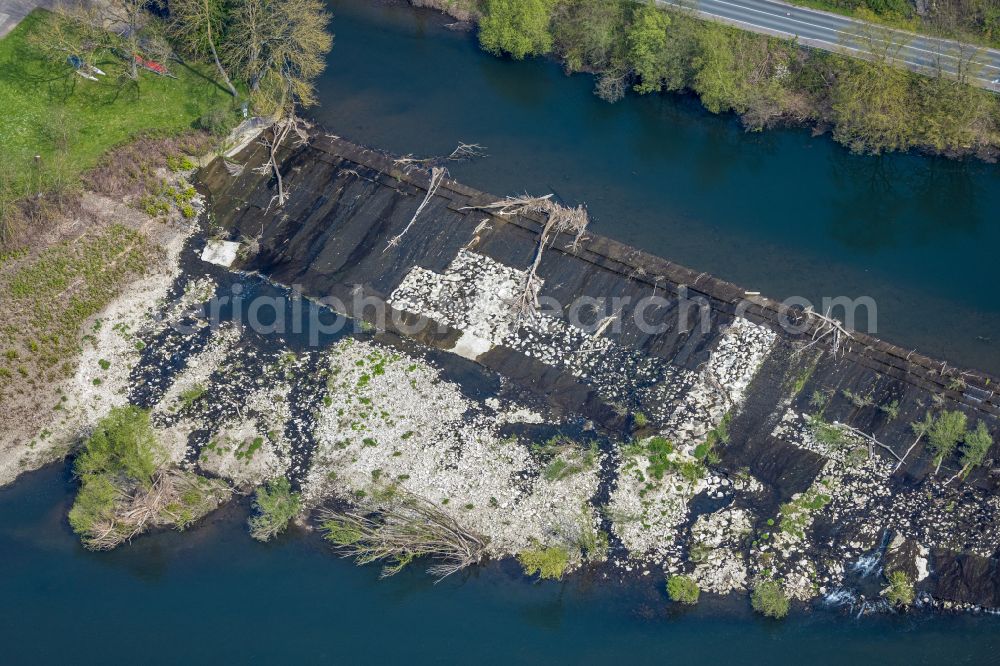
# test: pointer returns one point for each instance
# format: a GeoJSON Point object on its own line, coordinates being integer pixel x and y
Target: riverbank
{"type": "Point", "coordinates": [869, 106]}
{"type": "Point", "coordinates": [57, 125]}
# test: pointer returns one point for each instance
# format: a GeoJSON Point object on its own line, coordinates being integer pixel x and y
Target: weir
{"type": "Point", "coordinates": [793, 419]}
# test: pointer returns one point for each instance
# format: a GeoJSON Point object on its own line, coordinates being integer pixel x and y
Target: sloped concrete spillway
{"type": "Point", "coordinates": [771, 470]}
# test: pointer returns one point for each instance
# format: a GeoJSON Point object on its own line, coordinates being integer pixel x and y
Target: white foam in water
{"type": "Point", "coordinates": [220, 253]}
{"type": "Point", "coordinates": [867, 565]}
{"type": "Point", "coordinates": [842, 596]}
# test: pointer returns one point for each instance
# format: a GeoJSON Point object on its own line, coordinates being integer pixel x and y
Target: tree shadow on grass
{"type": "Point", "coordinates": [203, 76]}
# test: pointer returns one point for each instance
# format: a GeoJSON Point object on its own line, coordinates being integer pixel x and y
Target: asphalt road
{"type": "Point", "coordinates": [831, 32]}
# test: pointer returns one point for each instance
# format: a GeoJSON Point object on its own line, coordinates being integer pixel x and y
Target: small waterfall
{"type": "Point", "coordinates": [841, 596]}
{"type": "Point", "coordinates": [867, 565]}
{"type": "Point", "coordinates": [871, 564]}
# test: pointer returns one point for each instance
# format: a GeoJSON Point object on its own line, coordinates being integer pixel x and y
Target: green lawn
{"type": "Point", "coordinates": [44, 105]}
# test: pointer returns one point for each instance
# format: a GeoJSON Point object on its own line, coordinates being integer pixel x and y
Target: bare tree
{"type": "Point", "coordinates": [279, 48]}
{"type": "Point", "coordinates": [559, 219]}
{"type": "Point", "coordinates": [89, 31]}
{"type": "Point", "coordinates": [198, 24]}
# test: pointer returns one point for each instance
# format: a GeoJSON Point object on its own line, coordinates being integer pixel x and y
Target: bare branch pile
{"type": "Point", "coordinates": [409, 527]}
{"type": "Point", "coordinates": [559, 219]}
{"type": "Point", "coordinates": [437, 175]}
{"type": "Point", "coordinates": [174, 498]}
{"type": "Point", "coordinates": [463, 152]}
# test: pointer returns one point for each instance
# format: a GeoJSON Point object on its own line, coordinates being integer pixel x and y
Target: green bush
{"type": "Point", "coordinates": [550, 562]}
{"type": "Point", "coordinates": [769, 599]}
{"type": "Point", "coordinates": [976, 445]}
{"type": "Point", "coordinates": [275, 505]}
{"type": "Point", "coordinates": [948, 429]}
{"type": "Point", "coordinates": [123, 445]}
{"type": "Point", "coordinates": [899, 591]}
{"type": "Point", "coordinates": [95, 503]}
{"type": "Point", "coordinates": [216, 121]}
{"type": "Point", "coordinates": [683, 589]}
{"type": "Point", "coordinates": [517, 27]}
{"type": "Point", "coordinates": [120, 455]}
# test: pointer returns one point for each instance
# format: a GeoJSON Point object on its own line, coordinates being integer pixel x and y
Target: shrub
{"type": "Point", "coordinates": [123, 444]}
{"type": "Point", "coordinates": [548, 563]}
{"type": "Point", "coordinates": [95, 503]}
{"type": "Point", "coordinates": [190, 395]}
{"type": "Point", "coordinates": [899, 591]}
{"type": "Point", "coordinates": [517, 27]}
{"type": "Point", "coordinates": [769, 599]}
{"type": "Point", "coordinates": [682, 589]}
{"type": "Point", "coordinates": [215, 121]}
{"type": "Point", "coordinates": [945, 433]}
{"type": "Point", "coordinates": [275, 505]}
{"type": "Point", "coordinates": [977, 443]}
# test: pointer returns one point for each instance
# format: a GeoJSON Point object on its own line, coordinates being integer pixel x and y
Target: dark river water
{"type": "Point", "coordinates": [780, 212]}
{"type": "Point", "coordinates": [212, 595]}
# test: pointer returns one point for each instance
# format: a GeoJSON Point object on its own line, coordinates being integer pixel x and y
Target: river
{"type": "Point", "coordinates": [212, 595]}
{"type": "Point", "coordinates": [780, 212]}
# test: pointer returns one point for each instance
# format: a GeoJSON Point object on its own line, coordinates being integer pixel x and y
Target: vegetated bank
{"type": "Point", "coordinates": [108, 110]}
{"type": "Point", "coordinates": [869, 106]}
{"type": "Point", "coordinates": [95, 202]}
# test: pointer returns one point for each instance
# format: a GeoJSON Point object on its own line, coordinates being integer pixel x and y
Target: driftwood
{"type": "Point", "coordinates": [464, 152]}
{"type": "Point", "coordinates": [142, 508]}
{"type": "Point", "coordinates": [235, 170]}
{"type": "Point", "coordinates": [279, 133]}
{"type": "Point", "coordinates": [559, 219]}
{"type": "Point", "coordinates": [409, 527]}
{"type": "Point", "coordinates": [868, 438]}
{"type": "Point", "coordinates": [827, 327]}
{"type": "Point", "coordinates": [437, 175]}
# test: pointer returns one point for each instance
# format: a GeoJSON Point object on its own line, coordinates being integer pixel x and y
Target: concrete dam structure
{"type": "Point", "coordinates": [707, 431]}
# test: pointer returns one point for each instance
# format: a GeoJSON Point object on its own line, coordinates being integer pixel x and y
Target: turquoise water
{"type": "Point", "coordinates": [212, 595]}
{"type": "Point", "coordinates": [780, 212]}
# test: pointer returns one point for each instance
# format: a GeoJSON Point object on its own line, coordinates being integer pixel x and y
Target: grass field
{"type": "Point", "coordinates": [69, 122]}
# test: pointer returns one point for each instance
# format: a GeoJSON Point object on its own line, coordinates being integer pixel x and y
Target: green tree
{"type": "Point", "coordinates": [123, 444]}
{"type": "Point", "coordinates": [871, 107]}
{"type": "Point", "coordinates": [952, 112]}
{"type": "Point", "coordinates": [516, 27]}
{"type": "Point", "coordinates": [94, 504]}
{"type": "Point", "coordinates": [275, 506]}
{"type": "Point", "coordinates": [872, 104]}
{"type": "Point", "coordinates": [899, 591]}
{"type": "Point", "coordinates": [279, 47]}
{"type": "Point", "coordinates": [648, 48]}
{"type": "Point", "coordinates": [588, 33]}
{"type": "Point", "coordinates": [945, 434]}
{"type": "Point", "coordinates": [975, 447]}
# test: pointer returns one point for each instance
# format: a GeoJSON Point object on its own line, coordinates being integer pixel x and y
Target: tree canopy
{"type": "Point", "coordinates": [516, 27]}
